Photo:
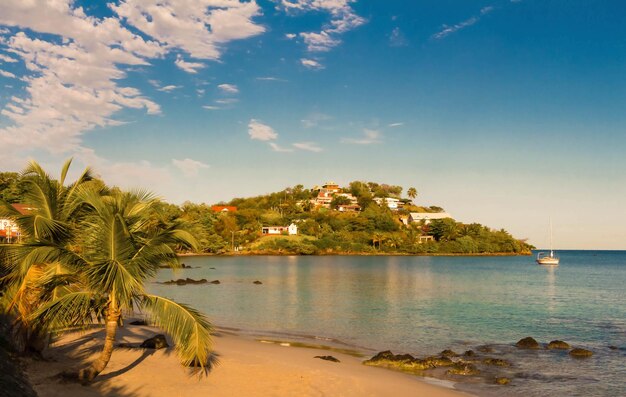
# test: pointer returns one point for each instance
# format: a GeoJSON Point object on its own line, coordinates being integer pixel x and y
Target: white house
{"type": "Point", "coordinates": [427, 217]}
{"type": "Point", "coordinates": [291, 230]}
{"type": "Point", "coordinates": [392, 203]}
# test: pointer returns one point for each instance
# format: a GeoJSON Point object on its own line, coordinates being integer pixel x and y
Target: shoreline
{"type": "Point", "coordinates": [277, 253]}
{"type": "Point", "coordinates": [246, 366]}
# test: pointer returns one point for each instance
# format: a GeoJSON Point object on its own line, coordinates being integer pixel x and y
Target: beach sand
{"type": "Point", "coordinates": [246, 367]}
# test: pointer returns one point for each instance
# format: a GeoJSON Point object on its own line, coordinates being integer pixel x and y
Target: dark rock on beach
{"type": "Point", "coordinates": [407, 363]}
{"type": "Point", "coordinates": [528, 343]}
{"type": "Point", "coordinates": [156, 342]}
{"type": "Point", "coordinates": [185, 281]}
{"type": "Point", "coordinates": [448, 353]}
{"type": "Point", "coordinates": [464, 369]}
{"type": "Point", "coordinates": [580, 353]}
{"type": "Point", "coordinates": [501, 380]}
{"type": "Point", "coordinates": [469, 353]}
{"type": "Point", "coordinates": [558, 344]}
{"type": "Point", "coordinates": [498, 362]}
{"type": "Point", "coordinates": [328, 358]}
{"type": "Point", "coordinates": [257, 282]}
{"type": "Point", "coordinates": [215, 282]}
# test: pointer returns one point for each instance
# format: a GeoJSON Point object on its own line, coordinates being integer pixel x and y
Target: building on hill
{"type": "Point", "coordinates": [331, 187]}
{"type": "Point", "coordinates": [291, 230]}
{"type": "Point", "coordinates": [392, 203]}
{"type": "Point", "coordinates": [427, 217]}
{"type": "Point", "coordinates": [223, 208]}
{"type": "Point", "coordinates": [9, 230]}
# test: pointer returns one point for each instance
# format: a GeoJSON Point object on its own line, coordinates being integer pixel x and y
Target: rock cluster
{"type": "Point", "coordinates": [156, 342]}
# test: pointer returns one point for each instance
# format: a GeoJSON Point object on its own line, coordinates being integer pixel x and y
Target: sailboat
{"type": "Point", "coordinates": [546, 259]}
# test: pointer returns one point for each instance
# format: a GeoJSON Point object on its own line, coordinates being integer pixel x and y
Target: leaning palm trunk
{"type": "Point", "coordinates": [89, 373]}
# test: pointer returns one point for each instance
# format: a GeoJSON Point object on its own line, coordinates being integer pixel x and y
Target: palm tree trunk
{"type": "Point", "coordinates": [88, 374]}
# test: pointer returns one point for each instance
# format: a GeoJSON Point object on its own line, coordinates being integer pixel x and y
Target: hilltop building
{"type": "Point", "coordinates": [427, 217]}
{"type": "Point", "coordinates": [291, 230]}
{"type": "Point", "coordinates": [223, 208]}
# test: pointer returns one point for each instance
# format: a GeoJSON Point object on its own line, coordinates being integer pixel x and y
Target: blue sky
{"type": "Point", "coordinates": [503, 112]}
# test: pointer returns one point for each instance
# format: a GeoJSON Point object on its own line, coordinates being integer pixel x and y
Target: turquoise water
{"type": "Point", "coordinates": [422, 305]}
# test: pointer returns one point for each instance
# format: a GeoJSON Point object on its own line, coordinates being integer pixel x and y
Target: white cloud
{"type": "Point", "coordinates": [448, 30]}
{"type": "Point", "coordinates": [319, 41]}
{"type": "Point", "coordinates": [84, 59]}
{"type": "Point", "coordinates": [369, 137]}
{"type": "Point", "coordinates": [310, 146]}
{"type": "Point", "coordinates": [314, 119]}
{"type": "Point", "coordinates": [311, 63]}
{"type": "Point", "coordinates": [260, 131]}
{"type": "Point", "coordinates": [227, 101]}
{"type": "Point", "coordinates": [189, 167]}
{"type": "Point", "coordinates": [275, 147]}
{"type": "Point", "coordinates": [291, 36]}
{"type": "Point", "coordinates": [209, 107]}
{"type": "Point", "coordinates": [396, 38]}
{"type": "Point", "coordinates": [189, 67]}
{"type": "Point", "coordinates": [342, 20]}
{"type": "Point", "coordinates": [396, 124]}
{"type": "Point", "coordinates": [228, 88]}
{"type": "Point", "coordinates": [199, 27]}
{"type": "Point", "coordinates": [169, 88]}
{"type": "Point", "coordinates": [270, 79]}
{"type": "Point", "coordinates": [7, 74]}
{"type": "Point", "coordinates": [7, 59]}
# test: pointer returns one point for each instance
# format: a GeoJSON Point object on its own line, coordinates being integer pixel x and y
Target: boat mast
{"type": "Point", "coordinates": [551, 251]}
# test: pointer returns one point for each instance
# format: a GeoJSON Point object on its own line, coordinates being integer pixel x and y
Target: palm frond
{"type": "Point", "coordinates": [72, 310]}
{"type": "Point", "coordinates": [190, 329]}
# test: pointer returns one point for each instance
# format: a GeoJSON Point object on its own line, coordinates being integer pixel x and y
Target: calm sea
{"type": "Point", "coordinates": [423, 305]}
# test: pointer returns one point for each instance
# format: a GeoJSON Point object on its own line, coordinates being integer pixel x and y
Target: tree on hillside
{"type": "Point", "coordinates": [412, 193]}
{"type": "Point", "coordinates": [12, 187]}
{"type": "Point", "coordinates": [338, 201]}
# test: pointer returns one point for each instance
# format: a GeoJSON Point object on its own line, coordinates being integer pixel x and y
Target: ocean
{"type": "Point", "coordinates": [423, 305]}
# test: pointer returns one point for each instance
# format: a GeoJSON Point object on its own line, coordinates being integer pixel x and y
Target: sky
{"type": "Point", "coordinates": [503, 112]}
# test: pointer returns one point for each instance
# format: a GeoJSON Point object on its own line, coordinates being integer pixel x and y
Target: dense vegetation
{"type": "Point", "coordinates": [374, 229]}
{"type": "Point", "coordinates": [84, 256]}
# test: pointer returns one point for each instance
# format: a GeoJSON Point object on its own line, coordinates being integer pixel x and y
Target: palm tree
{"type": "Point", "coordinates": [412, 193]}
{"type": "Point", "coordinates": [37, 266]}
{"type": "Point", "coordinates": [122, 250]}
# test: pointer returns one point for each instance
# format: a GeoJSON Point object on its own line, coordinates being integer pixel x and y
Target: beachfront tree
{"type": "Point", "coordinates": [120, 251]}
{"type": "Point", "coordinates": [36, 269]}
{"type": "Point", "coordinates": [412, 193]}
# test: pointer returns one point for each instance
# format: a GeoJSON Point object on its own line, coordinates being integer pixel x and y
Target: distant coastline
{"type": "Point", "coordinates": [277, 253]}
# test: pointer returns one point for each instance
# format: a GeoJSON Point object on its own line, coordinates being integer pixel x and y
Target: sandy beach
{"type": "Point", "coordinates": [246, 367]}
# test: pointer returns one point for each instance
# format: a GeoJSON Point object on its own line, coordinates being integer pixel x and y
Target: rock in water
{"type": "Point", "coordinates": [156, 342]}
{"type": "Point", "coordinates": [448, 353]}
{"type": "Point", "coordinates": [528, 343]}
{"type": "Point", "coordinates": [558, 344]}
{"type": "Point", "coordinates": [258, 283]}
{"type": "Point", "coordinates": [465, 369]}
{"type": "Point", "coordinates": [215, 282]}
{"type": "Point", "coordinates": [501, 380]}
{"type": "Point", "coordinates": [580, 353]}
{"type": "Point", "coordinates": [469, 353]}
{"type": "Point", "coordinates": [497, 362]}
{"type": "Point", "coordinates": [328, 358]}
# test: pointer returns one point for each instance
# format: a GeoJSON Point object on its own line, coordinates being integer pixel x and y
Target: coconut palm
{"type": "Point", "coordinates": [122, 250]}
{"type": "Point", "coordinates": [412, 193]}
{"type": "Point", "coordinates": [36, 268]}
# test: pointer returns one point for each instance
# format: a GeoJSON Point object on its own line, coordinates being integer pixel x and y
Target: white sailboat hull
{"type": "Point", "coordinates": [547, 261]}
